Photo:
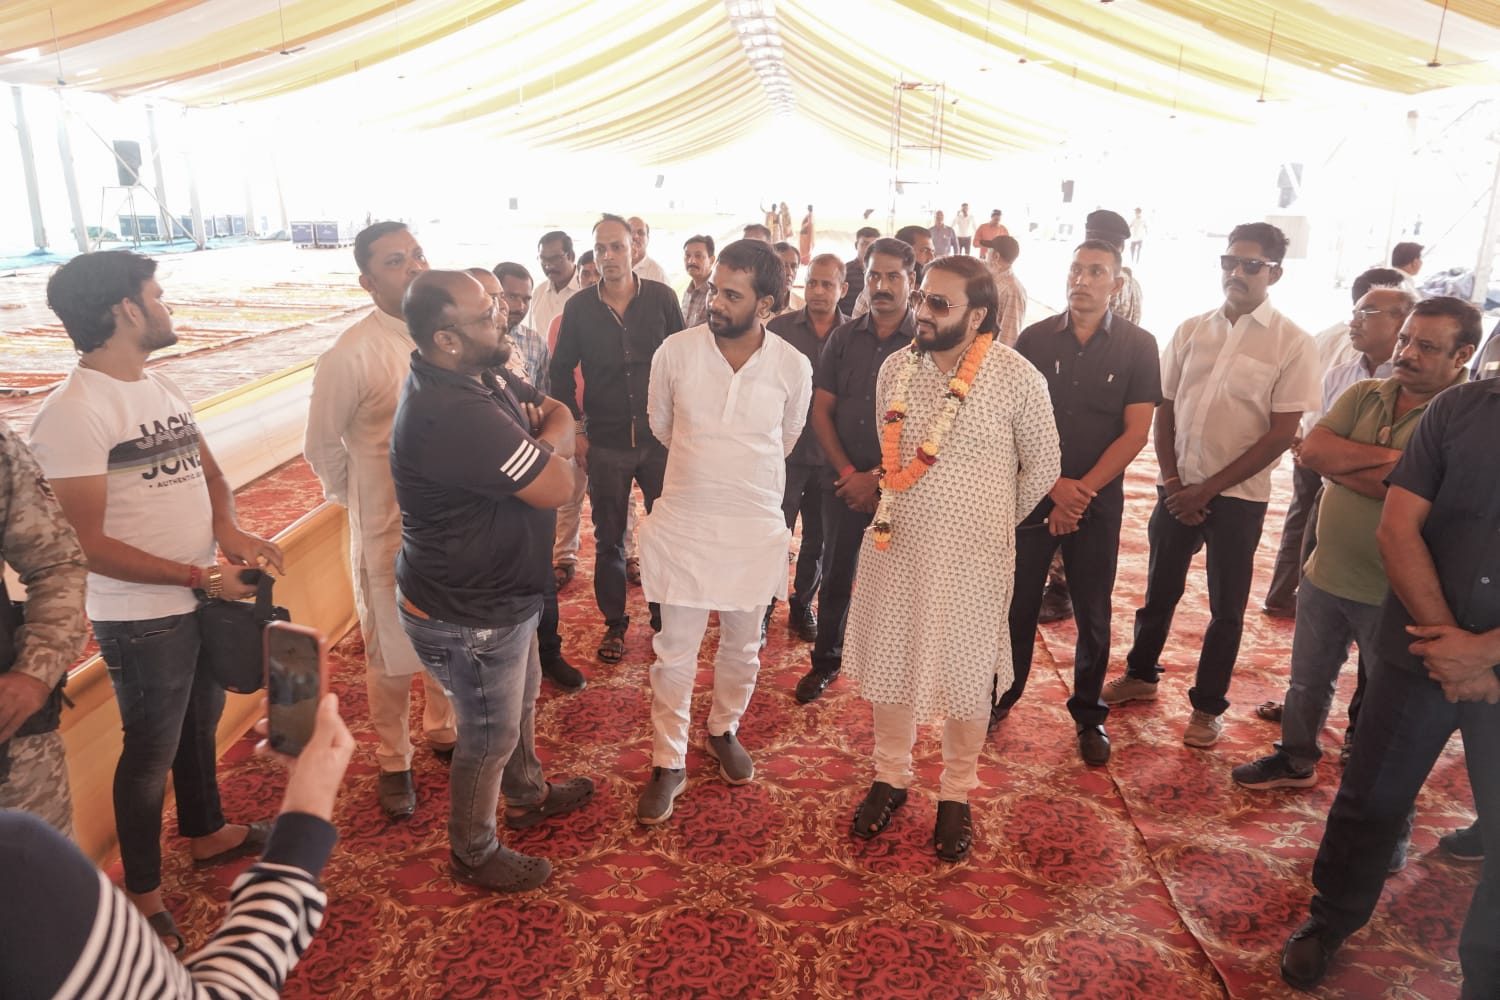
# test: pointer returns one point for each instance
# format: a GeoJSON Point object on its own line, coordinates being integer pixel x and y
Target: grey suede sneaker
{"type": "Point", "coordinates": [660, 792]}
{"type": "Point", "coordinates": [735, 765]}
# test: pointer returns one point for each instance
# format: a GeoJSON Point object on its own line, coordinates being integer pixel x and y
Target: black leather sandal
{"type": "Point", "coordinates": [874, 813]}
{"type": "Point", "coordinates": [954, 831]}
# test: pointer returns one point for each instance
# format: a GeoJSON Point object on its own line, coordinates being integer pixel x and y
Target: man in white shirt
{"type": "Point", "coordinates": [792, 261]}
{"type": "Point", "coordinates": [641, 262]}
{"type": "Point", "coordinates": [347, 443]}
{"type": "Point", "coordinates": [554, 251]}
{"type": "Point", "coordinates": [729, 402]}
{"type": "Point", "coordinates": [698, 261]}
{"type": "Point", "coordinates": [1236, 382]}
{"type": "Point", "coordinates": [963, 228]}
{"type": "Point", "coordinates": [121, 447]}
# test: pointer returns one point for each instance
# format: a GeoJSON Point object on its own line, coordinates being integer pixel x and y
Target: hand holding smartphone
{"type": "Point", "coordinates": [296, 660]}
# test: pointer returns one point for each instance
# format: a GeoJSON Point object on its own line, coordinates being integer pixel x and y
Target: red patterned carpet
{"type": "Point", "coordinates": [1153, 878]}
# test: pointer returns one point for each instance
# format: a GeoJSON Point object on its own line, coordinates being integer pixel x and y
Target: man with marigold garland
{"type": "Point", "coordinates": [968, 449]}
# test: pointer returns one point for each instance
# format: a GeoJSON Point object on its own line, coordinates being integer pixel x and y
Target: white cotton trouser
{"type": "Point", "coordinates": [963, 739]}
{"type": "Point", "coordinates": [735, 665]}
{"type": "Point", "coordinates": [570, 520]}
{"type": "Point", "coordinates": [390, 717]}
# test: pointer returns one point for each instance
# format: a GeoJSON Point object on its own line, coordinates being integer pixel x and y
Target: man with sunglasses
{"type": "Point", "coordinates": [1104, 380]}
{"type": "Point", "coordinates": [1236, 382]}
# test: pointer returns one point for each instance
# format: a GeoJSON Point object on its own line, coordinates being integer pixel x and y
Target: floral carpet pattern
{"type": "Point", "coordinates": [1155, 877]}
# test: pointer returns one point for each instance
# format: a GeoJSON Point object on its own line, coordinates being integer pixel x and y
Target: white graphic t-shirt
{"type": "Point", "coordinates": [143, 438]}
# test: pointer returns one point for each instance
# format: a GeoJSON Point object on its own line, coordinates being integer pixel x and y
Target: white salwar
{"type": "Point", "coordinates": [716, 539]}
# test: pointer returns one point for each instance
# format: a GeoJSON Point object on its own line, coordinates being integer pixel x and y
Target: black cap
{"type": "Point", "coordinates": [1106, 225]}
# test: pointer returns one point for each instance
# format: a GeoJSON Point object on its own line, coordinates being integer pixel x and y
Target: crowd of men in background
{"type": "Point", "coordinates": [464, 418]}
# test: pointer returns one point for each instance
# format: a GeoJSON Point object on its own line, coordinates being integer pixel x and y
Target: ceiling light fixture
{"type": "Point", "coordinates": [754, 22]}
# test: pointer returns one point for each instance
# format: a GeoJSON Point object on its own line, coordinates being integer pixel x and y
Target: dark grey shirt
{"type": "Point", "coordinates": [797, 329]}
{"type": "Point", "coordinates": [848, 368]}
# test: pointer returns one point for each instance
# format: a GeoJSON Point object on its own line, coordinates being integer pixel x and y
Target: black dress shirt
{"type": "Point", "coordinates": [615, 352]}
{"type": "Point", "coordinates": [848, 368]}
{"type": "Point", "coordinates": [1090, 385]}
{"type": "Point", "coordinates": [797, 329]}
{"type": "Point", "coordinates": [1447, 463]}
{"type": "Point", "coordinates": [471, 552]}
{"type": "Point", "coordinates": [854, 277]}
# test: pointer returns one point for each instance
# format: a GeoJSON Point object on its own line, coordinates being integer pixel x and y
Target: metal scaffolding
{"type": "Point", "coordinates": [917, 111]}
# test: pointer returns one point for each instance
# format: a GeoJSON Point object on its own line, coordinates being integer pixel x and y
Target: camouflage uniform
{"type": "Point", "coordinates": [42, 547]}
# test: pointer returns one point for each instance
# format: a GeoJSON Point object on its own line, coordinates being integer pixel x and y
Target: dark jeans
{"type": "Point", "coordinates": [169, 710]}
{"type": "Point", "coordinates": [805, 488]}
{"type": "Point", "coordinates": [843, 533]}
{"type": "Point", "coordinates": [548, 638]}
{"type": "Point", "coordinates": [611, 471]}
{"type": "Point", "coordinates": [1403, 727]}
{"type": "Point", "coordinates": [1297, 532]}
{"type": "Point", "coordinates": [964, 242]}
{"type": "Point", "coordinates": [1089, 556]}
{"type": "Point", "coordinates": [1231, 532]}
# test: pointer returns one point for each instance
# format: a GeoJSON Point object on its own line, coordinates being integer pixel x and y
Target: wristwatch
{"type": "Point", "coordinates": [213, 582]}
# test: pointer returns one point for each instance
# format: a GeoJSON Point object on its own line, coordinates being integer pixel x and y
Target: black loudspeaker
{"type": "Point", "coordinates": [128, 162]}
{"type": "Point", "coordinates": [661, 179]}
{"type": "Point", "coordinates": [1067, 192]}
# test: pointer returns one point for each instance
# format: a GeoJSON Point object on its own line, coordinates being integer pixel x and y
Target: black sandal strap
{"type": "Point", "coordinates": [874, 813]}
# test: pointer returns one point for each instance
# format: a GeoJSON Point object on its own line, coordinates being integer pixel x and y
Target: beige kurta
{"type": "Point", "coordinates": [355, 389]}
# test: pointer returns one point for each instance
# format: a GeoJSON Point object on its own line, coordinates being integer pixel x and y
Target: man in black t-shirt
{"type": "Point", "coordinates": [480, 466]}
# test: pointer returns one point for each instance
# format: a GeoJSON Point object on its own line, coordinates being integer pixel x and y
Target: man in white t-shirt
{"type": "Point", "coordinates": [121, 448]}
{"type": "Point", "coordinates": [963, 228]}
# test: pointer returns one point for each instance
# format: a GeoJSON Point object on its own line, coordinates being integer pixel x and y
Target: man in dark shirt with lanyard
{"type": "Point", "coordinates": [1436, 669]}
{"type": "Point", "coordinates": [1104, 377]}
{"type": "Point", "coordinates": [613, 330]}
{"type": "Point", "coordinates": [848, 431]}
{"type": "Point", "coordinates": [478, 494]}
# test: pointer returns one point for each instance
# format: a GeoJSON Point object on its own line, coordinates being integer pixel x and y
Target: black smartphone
{"type": "Point", "coordinates": [296, 660]}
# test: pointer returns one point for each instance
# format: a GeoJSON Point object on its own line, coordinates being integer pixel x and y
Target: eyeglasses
{"type": "Point", "coordinates": [1366, 312]}
{"type": "Point", "coordinates": [1249, 265]}
{"type": "Point", "coordinates": [938, 305]}
{"type": "Point", "coordinates": [553, 259]}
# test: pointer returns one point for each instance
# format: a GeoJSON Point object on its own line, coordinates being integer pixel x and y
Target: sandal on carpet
{"type": "Point", "coordinates": [1269, 711]}
{"type": "Point", "coordinates": [166, 929]}
{"type": "Point", "coordinates": [612, 646]}
{"type": "Point", "coordinates": [954, 831]}
{"type": "Point", "coordinates": [563, 574]}
{"type": "Point", "coordinates": [256, 835]}
{"type": "Point", "coordinates": [874, 813]}
{"type": "Point", "coordinates": [562, 797]}
{"type": "Point", "coordinates": [633, 572]}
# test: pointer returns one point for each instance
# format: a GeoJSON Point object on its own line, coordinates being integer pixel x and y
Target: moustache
{"type": "Point", "coordinates": [1233, 283]}
{"type": "Point", "coordinates": [1405, 366]}
{"type": "Point", "coordinates": [882, 297]}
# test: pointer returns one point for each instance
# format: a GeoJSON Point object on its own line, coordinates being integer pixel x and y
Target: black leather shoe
{"type": "Point", "coordinates": [562, 673]}
{"type": "Point", "coordinates": [1057, 605]}
{"type": "Point", "coordinates": [1093, 745]}
{"type": "Point", "coordinates": [765, 622]}
{"type": "Point", "coordinates": [998, 714]}
{"type": "Point", "coordinates": [802, 621]}
{"type": "Point", "coordinates": [398, 794]}
{"type": "Point", "coordinates": [813, 682]}
{"type": "Point", "coordinates": [655, 610]}
{"type": "Point", "coordinates": [1308, 952]}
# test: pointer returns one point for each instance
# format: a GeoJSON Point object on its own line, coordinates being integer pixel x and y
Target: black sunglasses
{"type": "Point", "coordinates": [1249, 265]}
{"type": "Point", "coordinates": [938, 305]}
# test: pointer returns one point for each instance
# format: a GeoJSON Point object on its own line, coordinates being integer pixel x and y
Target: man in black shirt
{"type": "Point", "coordinates": [1434, 670]}
{"type": "Point", "coordinates": [477, 493]}
{"type": "Point", "coordinates": [848, 430]}
{"type": "Point", "coordinates": [1104, 378]}
{"type": "Point", "coordinates": [854, 271]}
{"type": "Point", "coordinates": [612, 330]}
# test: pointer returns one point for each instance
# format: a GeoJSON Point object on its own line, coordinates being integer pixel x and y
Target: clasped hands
{"type": "Point", "coordinates": [1070, 499]}
{"type": "Point", "coordinates": [1461, 661]}
{"type": "Point", "coordinates": [1189, 504]}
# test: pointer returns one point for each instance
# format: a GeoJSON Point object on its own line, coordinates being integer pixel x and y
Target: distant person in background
{"type": "Point", "coordinates": [555, 254]}
{"type": "Point", "coordinates": [1137, 235]}
{"type": "Point", "coordinates": [756, 231]}
{"type": "Point", "coordinates": [806, 236]}
{"type": "Point", "coordinates": [1000, 258]}
{"type": "Point", "coordinates": [791, 301]}
{"type": "Point", "coordinates": [920, 239]}
{"type": "Point", "coordinates": [640, 241]}
{"type": "Point", "coordinates": [989, 230]}
{"type": "Point", "coordinates": [1112, 228]}
{"type": "Point", "coordinates": [784, 223]}
{"type": "Point", "coordinates": [944, 240]}
{"type": "Point", "coordinates": [698, 261]}
{"type": "Point", "coordinates": [1407, 258]}
{"type": "Point", "coordinates": [963, 228]}
{"type": "Point", "coordinates": [854, 270]}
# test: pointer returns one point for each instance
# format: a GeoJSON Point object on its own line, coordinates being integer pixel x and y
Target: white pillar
{"type": "Point", "coordinates": [70, 180]}
{"type": "Point", "coordinates": [199, 235]}
{"type": "Point", "coordinates": [28, 167]}
{"type": "Point", "coordinates": [168, 224]}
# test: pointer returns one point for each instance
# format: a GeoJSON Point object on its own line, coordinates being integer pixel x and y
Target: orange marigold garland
{"type": "Point", "coordinates": [897, 479]}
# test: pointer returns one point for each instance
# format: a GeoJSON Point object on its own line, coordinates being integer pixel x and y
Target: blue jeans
{"type": "Point", "coordinates": [1403, 727]}
{"type": "Point", "coordinates": [492, 676]}
{"type": "Point", "coordinates": [169, 711]}
{"type": "Point", "coordinates": [1326, 625]}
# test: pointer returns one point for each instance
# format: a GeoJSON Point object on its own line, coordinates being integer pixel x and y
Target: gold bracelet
{"type": "Point", "coordinates": [214, 582]}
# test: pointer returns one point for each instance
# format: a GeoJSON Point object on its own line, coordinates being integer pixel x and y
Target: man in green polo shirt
{"type": "Point", "coordinates": [1354, 447]}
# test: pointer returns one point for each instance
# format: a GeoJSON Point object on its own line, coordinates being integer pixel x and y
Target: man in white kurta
{"type": "Point", "coordinates": [729, 402]}
{"type": "Point", "coordinates": [355, 387]}
{"type": "Point", "coordinates": [928, 637]}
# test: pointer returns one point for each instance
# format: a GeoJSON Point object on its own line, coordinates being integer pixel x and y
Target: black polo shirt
{"type": "Point", "coordinates": [1447, 463]}
{"type": "Point", "coordinates": [848, 368]}
{"type": "Point", "coordinates": [471, 553]}
{"type": "Point", "coordinates": [797, 329]}
{"type": "Point", "coordinates": [854, 277]}
{"type": "Point", "coordinates": [1090, 385]}
{"type": "Point", "coordinates": [615, 352]}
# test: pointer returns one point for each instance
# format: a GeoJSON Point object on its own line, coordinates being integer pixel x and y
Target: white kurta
{"type": "Point", "coordinates": [355, 389]}
{"type": "Point", "coordinates": [928, 620]}
{"type": "Point", "coordinates": [716, 538]}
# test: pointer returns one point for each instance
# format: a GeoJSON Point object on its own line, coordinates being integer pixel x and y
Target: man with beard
{"type": "Point", "coordinates": [347, 443]}
{"type": "Point", "coordinates": [807, 475]}
{"type": "Point", "coordinates": [844, 421]}
{"type": "Point", "coordinates": [698, 261]}
{"type": "Point", "coordinates": [554, 251]}
{"type": "Point", "coordinates": [640, 239]}
{"type": "Point", "coordinates": [968, 448]}
{"type": "Point", "coordinates": [729, 402]}
{"type": "Point", "coordinates": [1236, 382]}
{"type": "Point", "coordinates": [477, 491]}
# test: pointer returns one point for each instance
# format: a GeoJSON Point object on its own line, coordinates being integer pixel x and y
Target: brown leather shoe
{"type": "Point", "coordinates": [397, 792]}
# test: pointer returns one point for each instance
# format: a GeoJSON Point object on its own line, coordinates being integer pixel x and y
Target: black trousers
{"type": "Point", "coordinates": [1297, 532]}
{"type": "Point", "coordinates": [805, 489]}
{"type": "Point", "coordinates": [1089, 557]}
{"type": "Point", "coordinates": [843, 533]}
{"type": "Point", "coordinates": [1231, 533]}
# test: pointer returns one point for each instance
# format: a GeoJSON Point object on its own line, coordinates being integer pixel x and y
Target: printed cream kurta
{"type": "Point", "coordinates": [348, 444]}
{"type": "Point", "coordinates": [928, 621]}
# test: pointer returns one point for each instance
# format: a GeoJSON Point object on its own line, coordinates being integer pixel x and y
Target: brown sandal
{"type": "Point", "coordinates": [875, 812]}
{"type": "Point", "coordinates": [633, 572]}
{"type": "Point", "coordinates": [563, 574]}
{"type": "Point", "coordinates": [1269, 711]}
{"type": "Point", "coordinates": [166, 928]}
{"type": "Point", "coordinates": [954, 832]}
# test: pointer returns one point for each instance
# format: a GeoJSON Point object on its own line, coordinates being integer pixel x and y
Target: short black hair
{"type": "Point", "coordinates": [1008, 247]}
{"type": "Point", "coordinates": [1403, 254]}
{"type": "Point", "coordinates": [866, 233]}
{"type": "Point", "coordinates": [785, 247]}
{"type": "Point", "coordinates": [611, 217]}
{"type": "Point", "coordinates": [707, 241]}
{"type": "Point", "coordinates": [510, 269]}
{"type": "Point", "coordinates": [1270, 239]}
{"type": "Point", "coordinates": [979, 286]}
{"type": "Point", "coordinates": [587, 257]}
{"type": "Point", "coordinates": [892, 247]}
{"type": "Point", "coordinates": [557, 236]}
{"type": "Point", "coordinates": [364, 243]}
{"type": "Point", "coordinates": [1470, 322]}
{"type": "Point", "coordinates": [767, 271]}
{"type": "Point", "coordinates": [1376, 277]}
{"type": "Point", "coordinates": [85, 290]}
{"type": "Point", "coordinates": [909, 234]}
{"type": "Point", "coordinates": [757, 227]}
{"type": "Point", "coordinates": [1103, 246]}
{"type": "Point", "coordinates": [425, 306]}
